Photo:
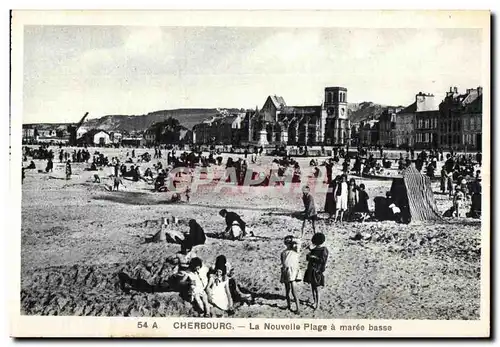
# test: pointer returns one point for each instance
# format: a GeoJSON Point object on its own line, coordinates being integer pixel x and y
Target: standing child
{"type": "Point", "coordinates": [316, 266]}
{"type": "Point", "coordinates": [352, 198]}
{"type": "Point", "coordinates": [309, 209]}
{"type": "Point", "coordinates": [290, 269]}
{"type": "Point", "coordinates": [116, 182]}
{"type": "Point", "coordinates": [444, 179]}
{"type": "Point", "coordinates": [363, 202]}
{"type": "Point", "coordinates": [458, 201]}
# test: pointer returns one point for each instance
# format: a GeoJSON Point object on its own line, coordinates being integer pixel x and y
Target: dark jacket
{"type": "Point", "coordinates": [232, 217]}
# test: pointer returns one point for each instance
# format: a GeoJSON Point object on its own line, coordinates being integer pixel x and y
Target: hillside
{"type": "Point", "coordinates": [365, 110]}
{"type": "Point", "coordinates": [189, 117]}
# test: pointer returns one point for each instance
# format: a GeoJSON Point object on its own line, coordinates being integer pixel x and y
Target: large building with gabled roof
{"type": "Point", "coordinates": [276, 123]}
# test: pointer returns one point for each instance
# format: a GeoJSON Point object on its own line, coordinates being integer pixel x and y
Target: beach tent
{"type": "Point", "coordinates": [412, 193]}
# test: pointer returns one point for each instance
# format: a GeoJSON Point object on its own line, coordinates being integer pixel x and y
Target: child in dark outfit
{"type": "Point", "coordinates": [363, 202]}
{"type": "Point", "coordinates": [316, 265]}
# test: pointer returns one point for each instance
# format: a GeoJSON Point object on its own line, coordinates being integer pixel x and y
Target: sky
{"type": "Point", "coordinates": [70, 70]}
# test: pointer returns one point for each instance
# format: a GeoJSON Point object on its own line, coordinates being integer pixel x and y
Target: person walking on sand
{"type": "Point", "coordinates": [316, 266]}
{"type": "Point", "coordinates": [309, 209]}
{"type": "Point", "coordinates": [290, 269]}
{"type": "Point", "coordinates": [68, 169]}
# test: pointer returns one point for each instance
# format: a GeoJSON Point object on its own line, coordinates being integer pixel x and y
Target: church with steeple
{"type": "Point", "coordinates": [276, 123]}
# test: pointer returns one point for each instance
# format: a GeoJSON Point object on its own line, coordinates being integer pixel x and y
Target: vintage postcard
{"type": "Point", "coordinates": [250, 173]}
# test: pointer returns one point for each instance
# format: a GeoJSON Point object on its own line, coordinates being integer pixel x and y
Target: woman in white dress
{"type": "Point", "coordinates": [219, 294]}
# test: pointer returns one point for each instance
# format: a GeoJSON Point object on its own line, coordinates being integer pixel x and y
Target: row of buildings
{"type": "Point", "coordinates": [455, 122]}
{"type": "Point", "coordinates": [276, 123]}
{"type": "Point", "coordinates": [55, 135]}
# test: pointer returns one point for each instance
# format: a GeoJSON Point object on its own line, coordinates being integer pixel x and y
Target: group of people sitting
{"type": "Point", "coordinates": [207, 289]}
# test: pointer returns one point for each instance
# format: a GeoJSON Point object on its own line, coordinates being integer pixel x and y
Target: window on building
{"type": "Point", "coordinates": [472, 123]}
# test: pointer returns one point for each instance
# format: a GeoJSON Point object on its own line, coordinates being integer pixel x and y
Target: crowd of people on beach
{"type": "Point", "coordinates": [216, 287]}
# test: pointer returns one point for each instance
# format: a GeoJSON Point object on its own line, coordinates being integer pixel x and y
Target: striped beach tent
{"type": "Point", "coordinates": [413, 194]}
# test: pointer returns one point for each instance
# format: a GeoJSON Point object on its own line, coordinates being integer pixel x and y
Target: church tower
{"type": "Point", "coordinates": [337, 129]}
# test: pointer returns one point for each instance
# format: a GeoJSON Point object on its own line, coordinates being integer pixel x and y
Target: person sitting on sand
{"type": "Point", "coordinates": [218, 292]}
{"type": "Point", "coordinates": [31, 165]}
{"type": "Point", "coordinates": [316, 266]}
{"type": "Point", "coordinates": [195, 237]}
{"type": "Point", "coordinates": [290, 269]}
{"type": "Point", "coordinates": [395, 211]}
{"type": "Point", "coordinates": [236, 294]}
{"type": "Point", "coordinates": [160, 180]}
{"type": "Point", "coordinates": [197, 283]}
{"type": "Point", "coordinates": [148, 173]}
{"type": "Point", "coordinates": [93, 167]}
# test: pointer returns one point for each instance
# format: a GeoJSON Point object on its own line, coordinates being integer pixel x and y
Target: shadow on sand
{"type": "Point", "coordinates": [135, 198]}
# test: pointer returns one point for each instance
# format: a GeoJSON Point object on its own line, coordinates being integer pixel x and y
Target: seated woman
{"type": "Point", "coordinates": [218, 291]}
{"type": "Point", "coordinates": [236, 294]}
{"type": "Point", "coordinates": [92, 167]}
{"type": "Point", "coordinates": [195, 237]}
{"type": "Point", "coordinates": [160, 180]}
{"type": "Point", "coordinates": [148, 173]}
